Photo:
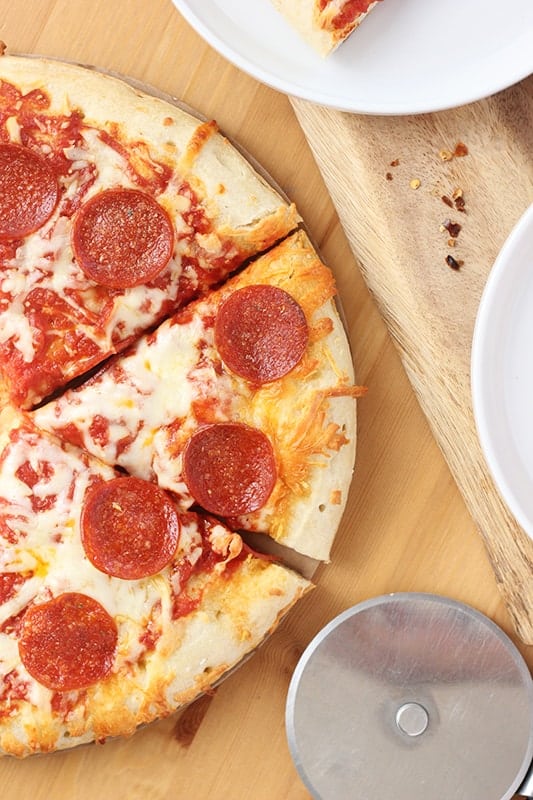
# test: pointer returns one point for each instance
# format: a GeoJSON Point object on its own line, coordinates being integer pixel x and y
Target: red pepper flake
{"type": "Point", "coordinates": [459, 200]}
{"type": "Point", "coordinates": [395, 162]}
{"type": "Point", "coordinates": [447, 200]}
{"type": "Point", "coordinates": [460, 150]}
{"type": "Point", "coordinates": [453, 228]}
{"type": "Point", "coordinates": [453, 263]}
{"type": "Point", "coordinates": [389, 176]}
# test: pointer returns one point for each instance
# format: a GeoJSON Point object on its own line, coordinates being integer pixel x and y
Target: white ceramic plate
{"type": "Point", "coordinates": [502, 372]}
{"type": "Point", "coordinates": [407, 57]}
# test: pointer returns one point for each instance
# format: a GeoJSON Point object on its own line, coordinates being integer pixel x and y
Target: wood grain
{"type": "Point", "coordinates": [387, 178]}
{"type": "Point", "coordinates": [406, 526]}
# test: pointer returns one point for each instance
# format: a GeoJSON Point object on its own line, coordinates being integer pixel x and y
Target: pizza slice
{"type": "Point", "coordinates": [325, 24]}
{"type": "Point", "coordinates": [115, 607]}
{"type": "Point", "coordinates": [243, 403]}
{"type": "Point", "coordinates": [116, 208]}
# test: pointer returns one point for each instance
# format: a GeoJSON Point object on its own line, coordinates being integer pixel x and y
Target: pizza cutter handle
{"type": "Point", "coordinates": [526, 788]}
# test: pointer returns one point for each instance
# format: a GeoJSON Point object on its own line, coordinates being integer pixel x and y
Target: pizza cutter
{"type": "Point", "coordinates": [412, 696]}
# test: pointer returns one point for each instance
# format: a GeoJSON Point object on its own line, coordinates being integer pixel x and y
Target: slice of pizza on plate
{"type": "Point", "coordinates": [325, 24]}
{"type": "Point", "coordinates": [116, 608]}
{"type": "Point", "coordinates": [243, 403]}
{"type": "Point", "coordinates": [116, 207]}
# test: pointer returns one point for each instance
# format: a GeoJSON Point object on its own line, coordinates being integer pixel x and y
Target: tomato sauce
{"type": "Point", "coordinates": [350, 11]}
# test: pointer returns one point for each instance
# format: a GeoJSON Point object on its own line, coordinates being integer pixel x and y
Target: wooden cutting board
{"type": "Point", "coordinates": [387, 177]}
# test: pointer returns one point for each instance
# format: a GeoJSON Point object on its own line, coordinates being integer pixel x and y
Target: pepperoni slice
{"type": "Point", "coordinates": [129, 528]}
{"type": "Point", "coordinates": [68, 642]}
{"type": "Point", "coordinates": [261, 333]}
{"type": "Point", "coordinates": [29, 191]}
{"type": "Point", "coordinates": [122, 238]}
{"type": "Point", "coordinates": [229, 468]}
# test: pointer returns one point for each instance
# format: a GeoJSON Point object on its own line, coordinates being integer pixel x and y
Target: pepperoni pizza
{"type": "Point", "coordinates": [240, 403]}
{"type": "Point", "coordinates": [325, 24]}
{"type": "Point", "coordinates": [115, 209]}
{"type": "Point", "coordinates": [117, 608]}
{"type": "Point", "coordinates": [177, 388]}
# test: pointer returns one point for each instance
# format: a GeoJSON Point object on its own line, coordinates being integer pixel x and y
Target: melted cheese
{"type": "Point", "coordinates": [141, 396]}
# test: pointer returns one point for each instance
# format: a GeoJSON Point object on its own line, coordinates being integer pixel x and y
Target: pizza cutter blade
{"type": "Point", "coordinates": [411, 696]}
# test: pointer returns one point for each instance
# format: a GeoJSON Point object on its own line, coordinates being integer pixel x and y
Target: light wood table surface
{"type": "Point", "coordinates": [406, 527]}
